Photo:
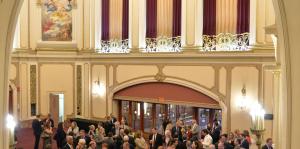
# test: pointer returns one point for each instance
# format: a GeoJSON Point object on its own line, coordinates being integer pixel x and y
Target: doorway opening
{"type": "Point", "coordinates": [57, 106]}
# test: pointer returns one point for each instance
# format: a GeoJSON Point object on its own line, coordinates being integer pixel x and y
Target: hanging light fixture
{"type": "Point", "coordinates": [98, 88]}
{"type": "Point", "coordinates": [243, 100]}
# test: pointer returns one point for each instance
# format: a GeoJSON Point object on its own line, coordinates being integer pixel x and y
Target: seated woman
{"type": "Point", "coordinates": [73, 130]}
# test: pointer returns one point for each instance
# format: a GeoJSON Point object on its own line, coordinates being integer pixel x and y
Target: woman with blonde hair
{"type": "Point", "coordinates": [140, 142]}
{"type": "Point", "coordinates": [47, 135]}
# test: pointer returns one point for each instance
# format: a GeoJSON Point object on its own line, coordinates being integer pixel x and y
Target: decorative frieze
{"type": "Point", "coordinates": [226, 42]}
{"type": "Point", "coordinates": [114, 46]}
{"type": "Point", "coordinates": [163, 44]}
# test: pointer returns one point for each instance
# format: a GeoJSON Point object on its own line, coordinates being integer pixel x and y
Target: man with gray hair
{"type": "Point", "coordinates": [69, 144]}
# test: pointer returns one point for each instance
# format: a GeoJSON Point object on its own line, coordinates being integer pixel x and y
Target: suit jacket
{"type": "Point", "coordinates": [266, 147]}
{"type": "Point", "coordinates": [158, 141]}
{"type": "Point", "coordinates": [177, 133]}
{"type": "Point", "coordinates": [37, 127]}
{"type": "Point", "coordinates": [86, 138]}
{"type": "Point", "coordinates": [245, 144]}
{"type": "Point", "coordinates": [67, 147]}
{"type": "Point", "coordinates": [216, 134]}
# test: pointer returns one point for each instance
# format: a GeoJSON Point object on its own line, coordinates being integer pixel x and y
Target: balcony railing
{"type": "Point", "coordinates": [114, 46]}
{"type": "Point", "coordinates": [163, 44]}
{"type": "Point", "coordinates": [226, 42]}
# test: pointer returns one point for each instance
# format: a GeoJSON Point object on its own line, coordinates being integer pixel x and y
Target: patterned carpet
{"type": "Point", "coordinates": [25, 139]}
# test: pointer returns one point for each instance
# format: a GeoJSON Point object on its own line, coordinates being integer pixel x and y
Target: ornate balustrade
{"type": "Point", "coordinates": [163, 44]}
{"type": "Point", "coordinates": [114, 46]}
{"type": "Point", "coordinates": [226, 42]}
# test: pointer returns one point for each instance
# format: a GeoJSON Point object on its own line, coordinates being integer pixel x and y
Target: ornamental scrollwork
{"type": "Point", "coordinates": [114, 46]}
{"type": "Point", "coordinates": [163, 44]}
{"type": "Point", "coordinates": [226, 42]}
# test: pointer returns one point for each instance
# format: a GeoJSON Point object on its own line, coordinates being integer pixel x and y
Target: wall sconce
{"type": "Point", "coordinates": [11, 124]}
{"type": "Point", "coordinates": [243, 101]}
{"type": "Point", "coordinates": [98, 88]}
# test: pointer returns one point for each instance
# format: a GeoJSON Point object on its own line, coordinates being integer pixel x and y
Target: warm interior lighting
{"type": "Point", "coordinates": [243, 101]}
{"type": "Point", "coordinates": [99, 88]}
{"type": "Point", "coordinates": [10, 122]}
{"type": "Point", "coordinates": [257, 114]}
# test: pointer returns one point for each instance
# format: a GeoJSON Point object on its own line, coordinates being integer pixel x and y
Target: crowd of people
{"type": "Point", "coordinates": [114, 134]}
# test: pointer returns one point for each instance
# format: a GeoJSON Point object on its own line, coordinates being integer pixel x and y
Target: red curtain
{"type": "Point", "coordinates": [243, 16]}
{"type": "Point", "coordinates": [125, 19]}
{"type": "Point", "coordinates": [105, 20]}
{"type": "Point", "coordinates": [176, 18]}
{"type": "Point", "coordinates": [209, 17]}
{"type": "Point", "coordinates": [151, 15]}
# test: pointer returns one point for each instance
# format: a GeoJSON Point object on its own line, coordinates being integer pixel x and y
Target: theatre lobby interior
{"type": "Point", "coordinates": [149, 74]}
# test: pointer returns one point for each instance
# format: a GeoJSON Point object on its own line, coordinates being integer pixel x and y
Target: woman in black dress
{"type": "Point", "coordinates": [60, 136]}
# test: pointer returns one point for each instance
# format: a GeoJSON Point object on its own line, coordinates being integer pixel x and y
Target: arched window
{"type": "Point", "coordinates": [114, 26]}
{"type": "Point", "coordinates": [163, 25]}
{"type": "Point", "coordinates": [226, 25]}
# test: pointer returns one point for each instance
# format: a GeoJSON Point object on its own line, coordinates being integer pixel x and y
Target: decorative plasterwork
{"type": "Point", "coordinates": [226, 42]}
{"type": "Point", "coordinates": [114, 46]}
{"type": "Point", "coordinates": [160, 76]}
{"type": "Point", "coordinates": [79, 90]}
{"type": "Point", "coordinates": [163, 44]}
{"type": "Point", "coordinates": [33, 84]}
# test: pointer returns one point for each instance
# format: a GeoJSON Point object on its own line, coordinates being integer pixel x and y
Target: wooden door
{"type": "Point", "coordinates": [54, 107]}
{"type": "Point", "coordinates": [10, 101]}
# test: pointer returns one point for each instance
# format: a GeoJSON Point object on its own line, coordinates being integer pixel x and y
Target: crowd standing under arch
{"type": "Point", "coordinates": [114, 134]}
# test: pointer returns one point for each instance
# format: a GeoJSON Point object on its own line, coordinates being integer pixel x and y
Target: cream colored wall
{"type": "Point", "coordinates": [99, 107]}
{"type": "Point", "coordinates": [241, 76]}
{"type": "Point", "coordinates": [209, 79]}
{"type": "Point", "coordinates": [56, 78]}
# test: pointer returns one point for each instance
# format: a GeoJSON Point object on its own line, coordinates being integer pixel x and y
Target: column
{"type": "Point", "coordinates": [9, 10]}
{"type": "Point", "coordinates": [276, 96]}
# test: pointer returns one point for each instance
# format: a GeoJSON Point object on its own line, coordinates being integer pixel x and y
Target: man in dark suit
{"type": "Point", "coordinates": [268, 144]}
{"type": "Point", "coordinates": [216, 132]}
{"type": "Point", "coordinates": [176, 131]}
{"type": "Point", "coordinates": [156, 139]}
{"type": "Point", "coordinates": [131, 139]}
{"type": "Point", "coordinates": [37, 130]}
{"type": "Point", "coordinates": [245, 143]}
{"type": "Point", "coordinates": [69, 144]}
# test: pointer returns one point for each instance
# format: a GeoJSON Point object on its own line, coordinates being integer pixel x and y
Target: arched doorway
{"type": "Point", "coordinates": [147, 105]}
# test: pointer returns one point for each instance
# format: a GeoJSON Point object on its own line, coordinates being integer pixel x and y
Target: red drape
{"type": "Point", "coordinates": [105, 20]}
{"type": "Point", "coordinates": [176, 18]}
{"type": "Point", "coordinates": [151, 18]}
{"type": "Point", "coordinates": [209, 17]}
{"type": "Point", "coordinates": [125, 19]}
{"type": "Point", "coordinates": [243, 16]}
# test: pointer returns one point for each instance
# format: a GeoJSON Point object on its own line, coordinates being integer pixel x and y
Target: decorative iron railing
{"type": "Point", "coordinates": [114, 46]}
{"type": "Point", "coordinates": [226, 42]}
{"type": "Point", "coordinates": [163, 44]}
